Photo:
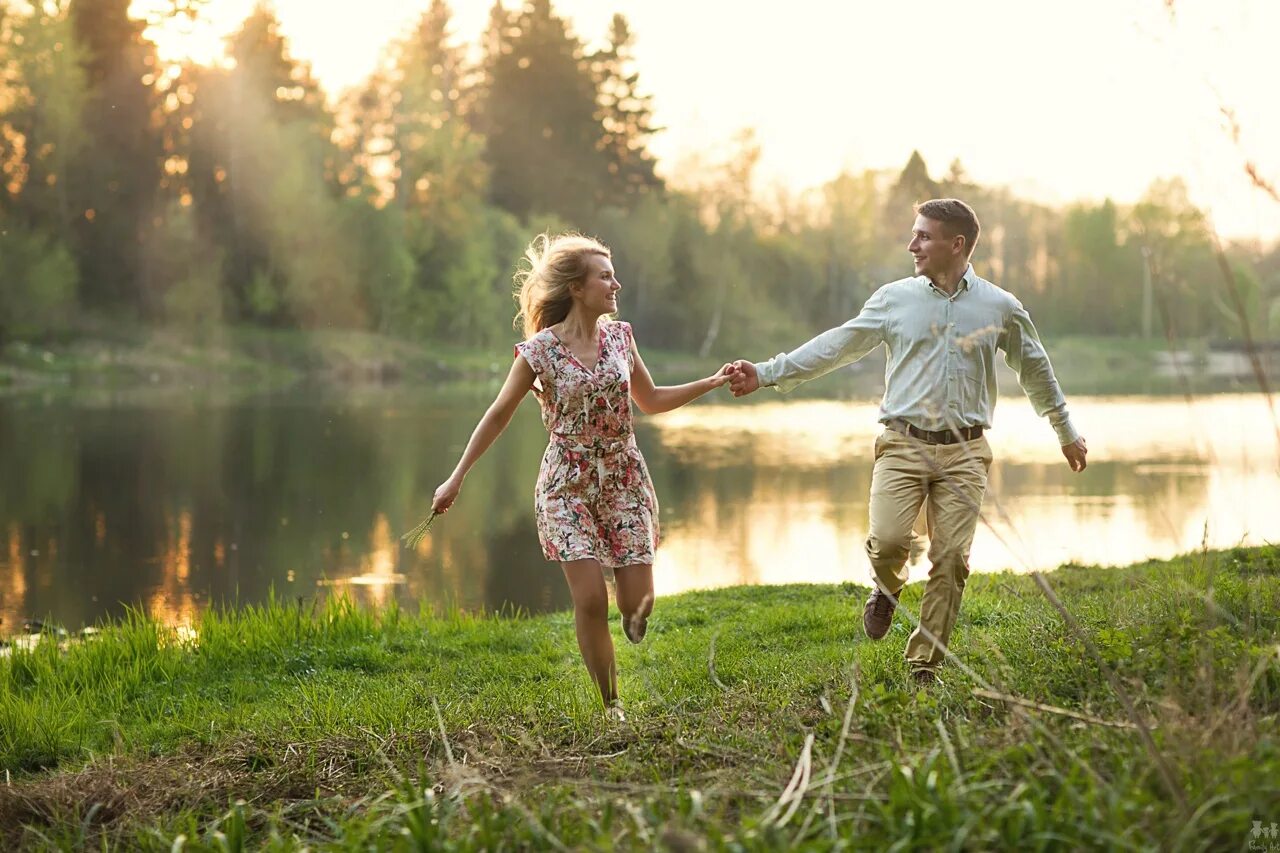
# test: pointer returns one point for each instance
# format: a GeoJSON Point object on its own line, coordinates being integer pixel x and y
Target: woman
{"type": "Point", "coordinates": [594, 500]}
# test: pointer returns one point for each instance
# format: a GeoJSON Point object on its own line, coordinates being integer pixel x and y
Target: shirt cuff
{"type": "Point", "coordinates": [1066, 432]}
{"type": "Point", "coordinates": [764, 373]}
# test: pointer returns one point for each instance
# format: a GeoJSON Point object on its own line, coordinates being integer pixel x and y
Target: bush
{"type": "Point", "coordinates": [40, 280]}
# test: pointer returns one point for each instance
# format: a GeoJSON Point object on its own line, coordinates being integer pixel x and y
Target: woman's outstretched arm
{"type": "Point", "coordinates": [491, 425]}
{"type": "Point", "coordinates": [654, 400]}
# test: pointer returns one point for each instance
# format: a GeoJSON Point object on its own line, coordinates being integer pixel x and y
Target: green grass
{"type": "Point", "coordinates": [280, 728]}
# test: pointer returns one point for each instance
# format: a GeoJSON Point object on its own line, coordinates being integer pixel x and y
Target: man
{"type": "Point", "coordinates": [941, 329]}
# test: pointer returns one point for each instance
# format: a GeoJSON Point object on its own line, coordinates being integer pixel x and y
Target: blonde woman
{"type": "Point", "coordinates": [594, 500]}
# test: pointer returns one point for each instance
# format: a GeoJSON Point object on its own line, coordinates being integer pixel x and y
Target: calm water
{"type": "Point", "coordinates": [169, 505]}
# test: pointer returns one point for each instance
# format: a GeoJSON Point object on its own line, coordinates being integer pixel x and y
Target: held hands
{"type": "Point", "coordinates": [721, 376]}
{"type": "Point", "coordinates": [1075, 453]}
{"type": "Point", "coordinates": [445, 495]}
{"type": "Point", "coordinates": [743, 380]}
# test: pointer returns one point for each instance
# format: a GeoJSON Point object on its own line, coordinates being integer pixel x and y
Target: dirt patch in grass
{"type": "Point", "coordinates": [142, 790]}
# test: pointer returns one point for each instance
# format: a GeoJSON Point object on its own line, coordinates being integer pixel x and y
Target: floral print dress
{"type": "Point", "coordinates": [594, 498]}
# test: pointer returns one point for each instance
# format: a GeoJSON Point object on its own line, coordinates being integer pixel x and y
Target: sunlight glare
{"type": "Point", "coordinates": [199, 38]}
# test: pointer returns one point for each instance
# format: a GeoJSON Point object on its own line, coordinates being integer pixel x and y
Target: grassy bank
{"type": "Point", "coordinates": [254, 358]}
{"type": "Point", "coordinates": [1153, 726]}
{"type": "Point", "coordinates": [104, 356]}
{"type": "Point", "coordinates": [124, 357]}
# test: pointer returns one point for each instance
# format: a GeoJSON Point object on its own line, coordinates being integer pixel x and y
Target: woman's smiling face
{"type": "Point", "coordinates": [599, 290]}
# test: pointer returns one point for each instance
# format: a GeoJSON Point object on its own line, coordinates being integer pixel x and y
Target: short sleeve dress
{"type": "Point", "coordinates": [594, 498]}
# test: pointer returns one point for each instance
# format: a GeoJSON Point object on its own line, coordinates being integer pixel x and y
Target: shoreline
{"type": "Point", "coordinates": [251, 359]}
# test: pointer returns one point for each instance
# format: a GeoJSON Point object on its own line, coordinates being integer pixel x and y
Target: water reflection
{"type": "Point", "coordinates": [375, 576]}
{"type": "Point", "coordinates": [172, 602]}
{"type": "Point", "coordinates": [175, 506]}
{"type": "Point", "coordinates": [793, 504]}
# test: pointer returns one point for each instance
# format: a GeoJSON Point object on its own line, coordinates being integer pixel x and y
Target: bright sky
{"type": "Point", "coordinates": [1059, 101]}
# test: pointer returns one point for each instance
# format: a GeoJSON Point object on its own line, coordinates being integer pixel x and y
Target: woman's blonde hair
{"type": "Point", "coordinates": [542, 289]}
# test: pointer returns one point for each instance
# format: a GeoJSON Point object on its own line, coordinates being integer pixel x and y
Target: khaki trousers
{"type": "Point", "coordinates": [952, 479]}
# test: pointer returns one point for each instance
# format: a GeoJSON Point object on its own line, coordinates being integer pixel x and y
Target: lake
{"type": "Point", "coordinates": [169, 502]}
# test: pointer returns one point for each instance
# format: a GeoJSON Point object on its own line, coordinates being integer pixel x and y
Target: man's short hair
{"type": "Point", "coordinates": [956, 215]}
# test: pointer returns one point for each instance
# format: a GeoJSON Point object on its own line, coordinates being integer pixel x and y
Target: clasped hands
{"type": "Point", "coordinates": [741, 377]}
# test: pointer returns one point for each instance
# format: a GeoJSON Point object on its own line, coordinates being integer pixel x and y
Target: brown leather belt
{"type": "Point", "coordinates": [942, 436]}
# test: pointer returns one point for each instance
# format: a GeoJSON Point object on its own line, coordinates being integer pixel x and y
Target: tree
{"type": "Point", "coordinates": [185, 273]}
{"type": "Point", "coordinates": [956, 184]}
{"type": "Point", "coordinates": [538, 112]}
{"type": "Point", "coordinates": [1101, 282]}
{"type": "Point", "coordinates": [260, 167]}
{"type": "Point", "coordinates": [845, 241]}
{"type": "Point", "coordinates": [1179, 251]}
{"type": "Point", "coordinates": [41, 137]}
{"type": "Point", "coordinates": [626, 119]}
{"type": "Point", "coordinates": [42, 118]}
{"type": "Point", "coordinates": [912, 187]}
{"type": "Point", "coordinates": [40, 283]}
{"type": "Point", "coordinates": [118, 179]}
{"type": "Point", "coordinates": [431, 173]}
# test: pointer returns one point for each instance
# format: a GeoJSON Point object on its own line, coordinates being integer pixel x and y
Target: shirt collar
{"type": "Point", "coordinates": [967, 281]}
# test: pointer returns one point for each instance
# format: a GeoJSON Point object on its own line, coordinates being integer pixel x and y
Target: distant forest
{"type": "Point", "coordinates": [190, 197]}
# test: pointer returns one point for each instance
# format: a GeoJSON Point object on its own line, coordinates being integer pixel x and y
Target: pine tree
{"type": "Point", "coordinates": [912, 187]}
{"type": "Point", "coordinates": [626, 120]}
{"type": "Point", "coordinates": [538, 113]}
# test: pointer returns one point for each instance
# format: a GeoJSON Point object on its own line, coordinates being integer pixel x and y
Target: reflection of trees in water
{"type": "Point", "coordinates": [491, 525]}
{"type": "Point", "coordinates": [732, 502]}
{"type": "Point", "coordinates": [683, 484]}
{"type": "Point", "coordinates": [1167, 496]}
{"type": "Point", "coordinates": [68, 476]}
{"type": "Point", "coordinates": [173, 503]}
{"type": "Point", "coordinates": [168, 504]}
{"type": "Point", "coordinates": [517, 576]}
{"type": "Point", "coordinates": [739, 511]}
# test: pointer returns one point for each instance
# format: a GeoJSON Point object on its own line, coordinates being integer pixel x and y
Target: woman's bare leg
{"type": "Point", "coordinates": [635, 598]}
{"type": "Point", "coordinates": [591, 618]}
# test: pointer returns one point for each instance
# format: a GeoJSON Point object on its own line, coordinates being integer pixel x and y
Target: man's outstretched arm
{"type": "Point", "coordinates": [832, 349]}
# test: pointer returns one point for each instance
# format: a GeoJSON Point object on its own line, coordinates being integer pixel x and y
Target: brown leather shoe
{"type": "Point", "coordinates": [877, 615]}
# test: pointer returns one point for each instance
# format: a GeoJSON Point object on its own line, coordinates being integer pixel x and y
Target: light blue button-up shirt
{"type": "Point", "coordinates": [940, 371]}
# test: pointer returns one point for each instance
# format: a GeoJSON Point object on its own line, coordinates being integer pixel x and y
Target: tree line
{"type": "Point", "coordinates": [194, 196]}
